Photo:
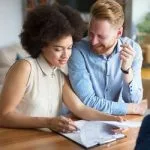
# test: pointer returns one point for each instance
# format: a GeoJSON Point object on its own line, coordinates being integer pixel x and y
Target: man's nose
{"type": "Point", "coordinates": [94, 40]}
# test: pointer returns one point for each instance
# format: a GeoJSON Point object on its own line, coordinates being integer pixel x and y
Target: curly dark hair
{"type": "Point", "coordinates": [48, 23]}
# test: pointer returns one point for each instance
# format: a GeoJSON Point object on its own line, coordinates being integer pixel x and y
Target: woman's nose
{"type": "Point", "coordinates": [65, 54]}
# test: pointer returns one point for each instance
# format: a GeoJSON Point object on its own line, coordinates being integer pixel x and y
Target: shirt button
{"type": "Point", "coordinates": [108, 90]}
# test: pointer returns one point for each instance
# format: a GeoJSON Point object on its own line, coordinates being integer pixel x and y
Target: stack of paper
{"type": "Point", "coordinates": [92, 133]}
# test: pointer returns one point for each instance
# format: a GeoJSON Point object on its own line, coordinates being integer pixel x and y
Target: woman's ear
{"type": "Point", "coordinates": [44, 49]}
{"type": "Point", "coordinates": [120, 31]}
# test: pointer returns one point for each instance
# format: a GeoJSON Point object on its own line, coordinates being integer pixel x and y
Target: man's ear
{"type": "Point", "coordinates": [120, 31]}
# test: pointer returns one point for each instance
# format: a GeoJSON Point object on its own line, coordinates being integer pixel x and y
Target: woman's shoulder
{"type": "Point", "coordinates": [22, 66]}
{"type": "Point", "coordinates": [18, 73]}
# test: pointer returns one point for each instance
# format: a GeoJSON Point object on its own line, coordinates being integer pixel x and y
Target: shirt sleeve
{"type": "Point", "coordinates": [82, 85]}
{"type": "Point", "coordinates": [133, 92]}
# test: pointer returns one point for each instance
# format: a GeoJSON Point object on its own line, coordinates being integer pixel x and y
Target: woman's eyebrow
{"type": "Point", "coordinates": [59, 46]}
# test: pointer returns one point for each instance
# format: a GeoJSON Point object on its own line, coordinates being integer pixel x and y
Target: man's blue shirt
{"type": "Point", "coordinates": [98, 80]}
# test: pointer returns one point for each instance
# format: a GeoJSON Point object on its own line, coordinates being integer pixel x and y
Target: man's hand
{"type": "Point", "coordinates": [139, 109]}
{"type": "Point", "coordinates": [127, 55]}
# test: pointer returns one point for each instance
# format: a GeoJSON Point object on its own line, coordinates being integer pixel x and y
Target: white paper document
{"type": "Point", "coordinates": [125, 124]}
{"type": "Point", "coordinates": [92, 133]}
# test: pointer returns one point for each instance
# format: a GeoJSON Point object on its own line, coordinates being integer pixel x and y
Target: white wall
{"type": "Point", "coordinates": [11, 17]}
{"type": "Point", "coordinates": [140, 8]}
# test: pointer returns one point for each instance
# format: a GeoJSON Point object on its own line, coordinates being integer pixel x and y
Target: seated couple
{"type": "Point", "coordinates": [48, 35]}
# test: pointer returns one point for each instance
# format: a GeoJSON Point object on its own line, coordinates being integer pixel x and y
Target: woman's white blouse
{"type": "Point", "coordinates": [43, 96]}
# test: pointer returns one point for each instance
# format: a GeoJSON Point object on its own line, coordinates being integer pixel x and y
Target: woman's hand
{"type": "Point", "coordinates": [62, 124]}
{"type": "Point", "coordinates": [118, 130]}
{"type": "Point", "coordinates": [117, 118]}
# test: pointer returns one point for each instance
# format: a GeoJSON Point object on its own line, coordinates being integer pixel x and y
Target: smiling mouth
{"type": "Point", "coordinates": [63, 61]}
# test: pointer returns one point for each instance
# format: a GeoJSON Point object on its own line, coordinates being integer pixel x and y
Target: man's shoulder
{"type": "Point", "coordinates": [128, 41]}
{"type": "Point", "coordinates": [82, 45]}
{"type": "Point", "coordinates": [131, 42]}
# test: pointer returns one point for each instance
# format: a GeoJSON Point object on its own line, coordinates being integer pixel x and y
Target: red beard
{"type": "Point", "coordinates": [101, 49]}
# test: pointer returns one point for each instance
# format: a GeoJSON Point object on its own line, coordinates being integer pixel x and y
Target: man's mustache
{"type": "Point", "coordinates": [98, 47]}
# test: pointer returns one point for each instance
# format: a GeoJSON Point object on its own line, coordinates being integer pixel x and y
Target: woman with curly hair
{"type": "Point", "coordinates": [40, 85]}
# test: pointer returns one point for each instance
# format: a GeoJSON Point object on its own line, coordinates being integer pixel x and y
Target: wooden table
{"type": "Point", "coordinates": [28, 139]}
